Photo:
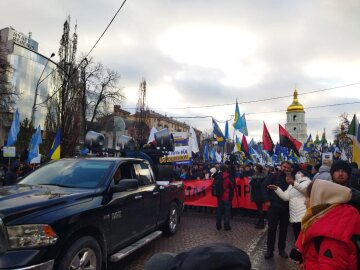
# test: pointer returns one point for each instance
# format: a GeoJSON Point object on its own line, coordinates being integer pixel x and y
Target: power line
{"type": "Point", "coordinates": [312, 107]}
{"type": "Point", "coordinates": [257, 100]}
{"type": "Point", "coordinates": [83, 59]}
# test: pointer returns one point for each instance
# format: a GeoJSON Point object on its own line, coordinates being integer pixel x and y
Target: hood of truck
{"type": "Point", "coordinates": [25, 199]}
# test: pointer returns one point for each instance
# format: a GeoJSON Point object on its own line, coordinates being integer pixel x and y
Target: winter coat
{"type": "Point", "coordinates": [277, 179]}
{"type": "Point", "coordinates": [228, 187]}
{"type": "Point", "coordinates": [255, 187]}
{"type": "Point", "coordinates": [336, 250]}
{"type": "Point", "coordinates": [296, 196]}
{"type": "Point", "coordinates": [323, 174]}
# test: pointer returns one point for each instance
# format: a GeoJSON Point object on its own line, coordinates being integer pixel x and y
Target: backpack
{"type": "Point", "coordinates": [217, 188]}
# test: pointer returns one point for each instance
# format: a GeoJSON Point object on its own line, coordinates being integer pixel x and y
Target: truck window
{"type": "Point", "coordinates": [124, 171]}
{"type": "Point", "coordinates": [143, 174]}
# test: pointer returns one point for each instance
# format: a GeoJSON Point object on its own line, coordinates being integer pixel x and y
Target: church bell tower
{"type": "Point", "coordinates": [295, 120]}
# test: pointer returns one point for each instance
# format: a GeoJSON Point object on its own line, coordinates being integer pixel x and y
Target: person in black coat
{"type": "Point", "coordinates": [278, 213]}
{"type": "Point", "coordinates": [256, 194]}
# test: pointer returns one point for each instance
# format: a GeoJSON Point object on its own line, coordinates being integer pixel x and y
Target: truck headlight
{"type": "Point", "coordinates": [34, 235]}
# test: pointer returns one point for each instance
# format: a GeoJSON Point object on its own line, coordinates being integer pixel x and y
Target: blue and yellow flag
{"type": "Point", "coordinates": [309, 145]}
{"type": "Point", "coordinates": [237, 121]}
{"type": "Point", "coordinates": [55, 149]}
{"type": "Point", "coordinates": [218, 135]}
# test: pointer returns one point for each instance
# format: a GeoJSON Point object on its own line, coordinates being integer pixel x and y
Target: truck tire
{"type": "Point", "coordinates": [83, 253]}
{"type": "Point", "coordinates": [172, 221]}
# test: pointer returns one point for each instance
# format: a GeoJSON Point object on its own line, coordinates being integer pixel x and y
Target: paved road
{"type": "Point", "coordinates": [199, 228]}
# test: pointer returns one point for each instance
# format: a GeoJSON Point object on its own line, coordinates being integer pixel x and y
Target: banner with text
{"type": "Point", "coordinates": [198, 193]}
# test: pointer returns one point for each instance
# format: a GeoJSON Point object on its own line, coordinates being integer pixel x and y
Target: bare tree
{"type": "Point", "coordinates": [102, 91]}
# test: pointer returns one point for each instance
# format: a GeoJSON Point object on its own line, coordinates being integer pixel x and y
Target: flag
{"type": "Point", "coordinates": [206, 152]}
{"type": "Point", "coordinates": [237, 144]}
{"type": "Point", "coordinates": [55, 148]}
{"type": "Point", "coordinates": [218, 157]}
{"type": "Point", "coordinates": [35, 141]}
{"type": "Point", "coordinates": [237, 121]}
{"type": "Point", "coordinates": [226, 130]}
{"type": "Point", "coordinates": [14, 130]}
{"type": "Point", "coordinates": [243, 125]}
{"type": "Point", "coordinates": [212, 154]}
{"type": "Point", "coordinates": [254, 154]}
{"type": "Point", "coordinates": [354, 134]}
{"type": "Point", "coordinates": [309, 144]}
{"type": "Point", "coordinates": [151, 138]}
{"type": "Point", "coordinates": [268, 144]}
{"type": "Point", "coordinates": [193, 141]}
{"type": "Point", "coordinates": [245, 147]}
{"type": "Point", "coordinates": [218, 135]}
{"type": "Point", "coordinates": [288, 141]}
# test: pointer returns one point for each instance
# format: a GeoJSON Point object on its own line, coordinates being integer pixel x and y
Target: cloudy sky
{"type": "Point", "coordinates": [196, 53]}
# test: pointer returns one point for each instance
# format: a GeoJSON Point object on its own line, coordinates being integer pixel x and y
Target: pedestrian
{"type": "Point", "coordinates": [295, 194]}
{"type": "Point", "coordinates": [278, 213]}
{"type": "Point", "coordinates": [10, 177]}
{"type": "Point", "coordinates": [324, 170]}
{"type": "Point", "coordinates": [256, 195]}
{"type": "Point", "coordinates": [225, 190]}
{"type": "Point", "coordinates": [328, 227]}
{"type": "Point", "coordinates": [340, 173]}
{"type": "Point", "coordinates": [213, 256]}
{"type": "Point", "coordinates": [355, 176]}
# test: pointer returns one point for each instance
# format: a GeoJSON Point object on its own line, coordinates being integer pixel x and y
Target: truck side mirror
{"type": "Point", "coordinates": [125, 184]}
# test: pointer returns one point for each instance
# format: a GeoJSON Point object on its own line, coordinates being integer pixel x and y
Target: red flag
{"type": "Point", "coordinates": [268, 144]}
{"type": "Point", "coordinates": [244, 146]}
{"type": "Point", "coordinates": [288, 141]}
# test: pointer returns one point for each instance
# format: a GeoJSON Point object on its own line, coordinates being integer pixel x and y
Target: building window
{"type": "Point", "coordinates": [294, 118]}
{"type": "Point", "coordinates": [294, 128]}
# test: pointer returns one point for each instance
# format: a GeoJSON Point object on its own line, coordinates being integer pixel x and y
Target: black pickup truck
{"type": "Point", "coordinates": [73, 214]}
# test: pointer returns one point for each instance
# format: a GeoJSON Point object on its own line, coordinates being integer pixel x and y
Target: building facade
{"type": "Point", "coordinates": [295, 120]}
{"type": "Point", "coordinates": [32, 73]}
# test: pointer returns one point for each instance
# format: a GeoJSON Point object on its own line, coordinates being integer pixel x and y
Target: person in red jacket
{"type": "Point", "coordinates": [327, 228]}
{"type": "Point", "coordinates": [225, 199]}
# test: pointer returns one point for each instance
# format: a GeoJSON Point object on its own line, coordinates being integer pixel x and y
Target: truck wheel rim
{"type": "Point", "coordinates": [85, 259]}
{"type": "Point", "coordinates": [173, 219]}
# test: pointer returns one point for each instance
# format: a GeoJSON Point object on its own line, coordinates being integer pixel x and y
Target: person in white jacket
{"type": "Point", "coordinates": [295, 194]}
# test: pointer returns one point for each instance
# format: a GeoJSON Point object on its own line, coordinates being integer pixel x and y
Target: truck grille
{"type": "Point", "coordinates": [2, 237]}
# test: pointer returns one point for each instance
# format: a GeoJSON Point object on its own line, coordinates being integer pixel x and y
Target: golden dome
{"type": "Point", "coordinates": [295, 105]}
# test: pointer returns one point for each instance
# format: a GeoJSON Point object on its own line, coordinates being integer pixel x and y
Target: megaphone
{"type": "Point", "coordinates": [126, 143]}
{"type": "Point", "coordinates": [94, 139]}
{"type": "Point", "coordinates": [164, 140]}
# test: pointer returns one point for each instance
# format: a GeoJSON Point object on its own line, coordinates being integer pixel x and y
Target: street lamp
{"type": "Point", "coordinates": [36, 90]}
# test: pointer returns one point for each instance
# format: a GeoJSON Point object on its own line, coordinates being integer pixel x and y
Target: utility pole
{"type": "Point", "coordinates": [141, 128]}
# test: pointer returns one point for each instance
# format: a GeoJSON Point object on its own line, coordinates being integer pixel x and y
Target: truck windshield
{"type": "Point", "coordinates": [70, 173]}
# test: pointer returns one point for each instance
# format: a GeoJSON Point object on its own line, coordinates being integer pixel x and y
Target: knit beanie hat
{"type": "Point", "coordinates": [340, 165]}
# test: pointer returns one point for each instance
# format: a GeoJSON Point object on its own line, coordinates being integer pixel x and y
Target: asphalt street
{"type": "Point", "coordinates": [199, 228]}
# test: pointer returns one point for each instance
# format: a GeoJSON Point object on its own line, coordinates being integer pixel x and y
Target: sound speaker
{"type": "Point", "coordinates": [94, 139]}
{"type": "Point", "coordinates": [164, 140]}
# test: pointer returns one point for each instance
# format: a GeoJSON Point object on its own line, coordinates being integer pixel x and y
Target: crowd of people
{"type": "Point", "coordinates": [320, 202]}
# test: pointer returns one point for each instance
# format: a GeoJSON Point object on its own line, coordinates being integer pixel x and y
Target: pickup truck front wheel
{"type": "Point", "coordinates": [172, 221]}
{"type": "Point", "coordinates": [84, 253]}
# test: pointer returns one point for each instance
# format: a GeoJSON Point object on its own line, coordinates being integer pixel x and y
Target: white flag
{"type": "Point", "coordinates": [152, 135]}
{"type": "Point", "coordinates": [193, 141]}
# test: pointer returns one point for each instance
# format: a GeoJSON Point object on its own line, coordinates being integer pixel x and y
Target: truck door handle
{"type": "Point", "coordinates": [138, 197]}
{"type": "Point", "coordinates": [156, 192]}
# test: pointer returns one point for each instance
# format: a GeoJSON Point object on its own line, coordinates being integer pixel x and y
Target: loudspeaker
{"type": "Point", "coordinates": [126, 143]}
{"type": "Point", "coordinates": [94, 139]}
{"type": "Point", "coordinates": [164, 140]}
